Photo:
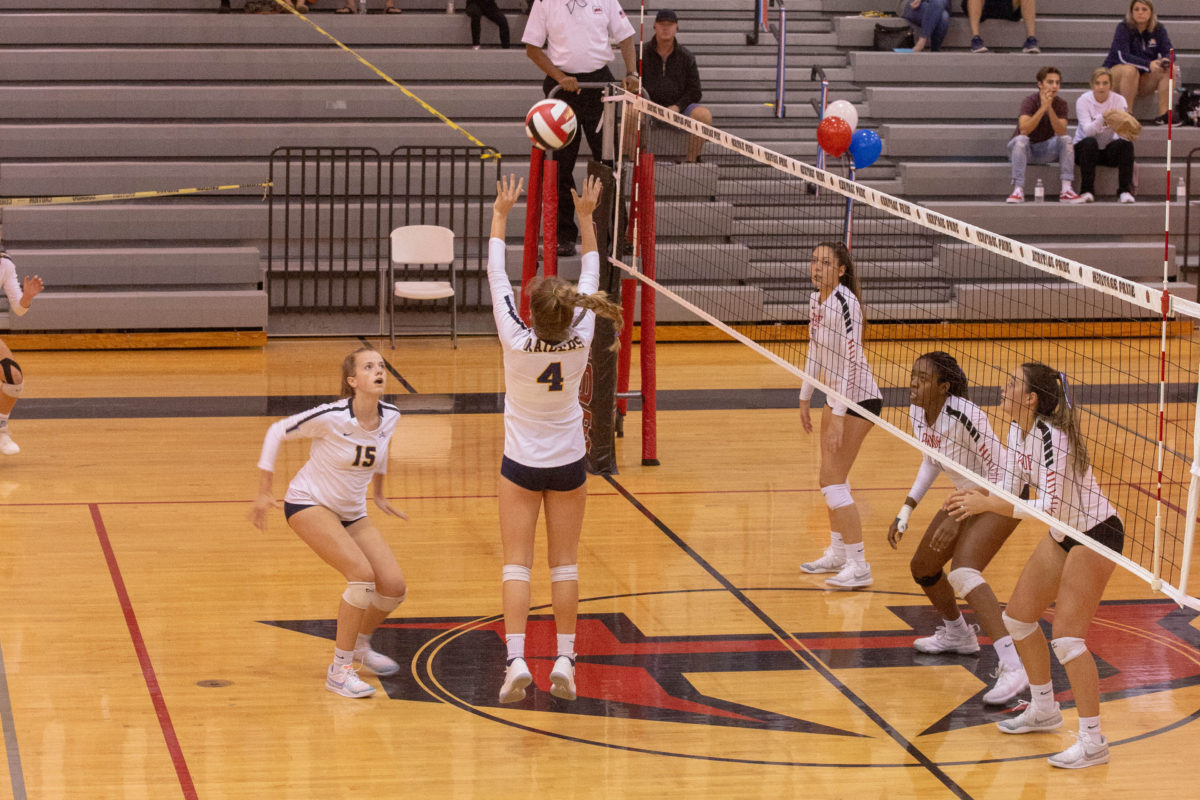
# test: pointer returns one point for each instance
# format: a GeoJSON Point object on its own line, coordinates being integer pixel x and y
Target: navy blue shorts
{"type": "Point", "coordinates": [292, 508]}
{"type": "Point", "coordinates": [874, 405]}
{"type": "Point", "coordinates": [566, 478]}
{"type": "Point", "coordinates": [997, 9]}
{"type": "Point", "coordinates": [1110, 533]}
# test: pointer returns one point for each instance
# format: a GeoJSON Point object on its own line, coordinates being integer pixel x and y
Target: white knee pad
{"type": "Point", "coordinates": [359, 593]}
{"type": "Point", "coordinates": [965, 580]}
{"type": "Point", "coordinates": [1068, 647]}
{"type": "Point", "coordinates": [13, 382]}
{"type": "Point", "coordinates": [1017, 629]}
{"type": "Point", "coordinates": [515, 572]}
{"type": "Point", "coordinates": [837, 495]}
{"type": "Point", "coordinates": [567, 572]}
{"type": "Point", "coordinates": [385, 603]}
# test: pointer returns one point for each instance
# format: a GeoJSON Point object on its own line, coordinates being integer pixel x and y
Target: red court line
{"type": "Point", "coordinates": [139, 644]}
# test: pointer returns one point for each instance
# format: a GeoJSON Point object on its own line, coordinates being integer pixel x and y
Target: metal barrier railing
{"type": "Point", "coordinates": [762, 24]}
{"type": "Point", "coordinates": [1186, 265]}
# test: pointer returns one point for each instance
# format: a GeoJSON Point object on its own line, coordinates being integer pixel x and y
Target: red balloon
{"type": "Point", "coordinates": [833, 135]}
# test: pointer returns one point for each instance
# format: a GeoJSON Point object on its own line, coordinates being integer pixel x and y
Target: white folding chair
{"type": "Point", "coordinates": [422, 244]}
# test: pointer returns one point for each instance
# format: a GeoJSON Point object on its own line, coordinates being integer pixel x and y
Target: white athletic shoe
{"type": "Point", "coordinates": [943, 641]}
{"type": "Point", "coordinates": [562, 678]}
{"type": "Point", "coordinates": [828, 562]}
{"type": "Point", "coordinates": [1010, 682]}
{"type": "Point", "coordinates": [1088, 751]}
{"type": "Point", "coordinates": [1030, 721]}
{"type": "Point", "coordinates": [852, 576]}
{"type": "Point", "coordinates": [516, 678]}
{"type": "Point", "coordinates": [345, 681]}
{"type": "Point", "coordinates": [376, 662]}
{"type": "Point", "coordinates": [7, 446]}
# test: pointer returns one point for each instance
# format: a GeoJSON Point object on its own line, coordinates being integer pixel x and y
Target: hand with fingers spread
{"type": "Point", "coordinates": [508, 189]}
{"type": "Point", "coordinates": [586, 204]}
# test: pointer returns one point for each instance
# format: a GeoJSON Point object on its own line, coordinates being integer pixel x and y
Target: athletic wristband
{"type": "Point", "coordinates": [902, 517]}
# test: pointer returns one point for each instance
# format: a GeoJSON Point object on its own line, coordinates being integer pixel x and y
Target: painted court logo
{"type": "Point", "coordinates": [762, 698]}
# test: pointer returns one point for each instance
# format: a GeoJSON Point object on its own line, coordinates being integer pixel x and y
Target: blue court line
{"type": "Point", "coordinates": [11, 750]}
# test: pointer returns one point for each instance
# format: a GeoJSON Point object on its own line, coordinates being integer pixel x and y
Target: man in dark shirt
{"type": "Point", "coordinates": [671, 78]}
{"type": "Point", "coordinates": [1041, 137]}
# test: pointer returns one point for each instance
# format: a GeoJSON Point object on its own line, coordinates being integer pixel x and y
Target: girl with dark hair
{"type": "Point", "coordinates": [326, 505]}
{"type": "Point", "coordinates": [944, 419]}
{"type": "Point", "coordinates": [543, 463]}
{"type": "Point", "coordinates": [835, 356]}
{"type": "Point", "coordinates": [1047, 452]}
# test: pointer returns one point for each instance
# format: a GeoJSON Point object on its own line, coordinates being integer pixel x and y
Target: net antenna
{"type": "Point", "coordinates": [731, 249]}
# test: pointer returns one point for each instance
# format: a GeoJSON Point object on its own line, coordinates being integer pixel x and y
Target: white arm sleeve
{"type": "Point", "coordinates": [925, 476]}
{"type": "Point", "coordinates": [589, 282]}
{"type": "Point", "coordinates": [508, 322]}
{"type": "Point", "coordinates": [12, 287]}
{"type": "Point", "coordinates": [306, 424]}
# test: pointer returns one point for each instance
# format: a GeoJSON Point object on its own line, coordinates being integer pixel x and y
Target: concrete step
{"type": "Point", "coordinates": [981, 180]}
{"type": "Point", "coordinates": [145, 310]}
{"type": "Point", "coordinates": [871, 67]}
{"type": "Point", "coordinates": [1054, 34]}
{"type": "Point", "coordinates": [969, 103]}
{"type": "Point", "coordinates": [937, 139]}
{"type": "Point", "coordinates": [143, 267]}
{"type": "Point", "coordinates": [1046, 8]}
{"type": "Point", "coordinates": [1029, 220]}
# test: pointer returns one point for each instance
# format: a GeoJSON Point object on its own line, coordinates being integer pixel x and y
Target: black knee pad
{"type": "Point", "coordinates": [928, 580]}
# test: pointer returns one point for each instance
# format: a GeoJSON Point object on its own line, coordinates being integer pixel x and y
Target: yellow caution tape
{"type": "Point", "coordinates": [491, 151]}
{"type": "Point", "coordinates": [63, 200]}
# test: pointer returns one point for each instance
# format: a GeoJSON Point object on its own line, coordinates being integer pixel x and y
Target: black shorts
{"type": "Point", "coordinates": [292, 508]}
{"type": "Point", "coordinates": [566, 478]}
{"type": "Point", "coordinates": [874, 405]}
{"type": "Point", "coordinates": [1110, 533]}
{"type": "Point", "coordinates": [997, 9]}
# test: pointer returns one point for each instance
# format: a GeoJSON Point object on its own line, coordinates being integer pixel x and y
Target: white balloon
{"type": "Point", "coordinates": [843, 109]}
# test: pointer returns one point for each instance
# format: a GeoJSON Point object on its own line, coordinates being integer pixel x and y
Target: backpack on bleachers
{"type": "Point", "coordinates": [1187, 107]}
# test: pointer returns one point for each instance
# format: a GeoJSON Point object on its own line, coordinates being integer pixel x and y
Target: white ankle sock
{"type": "Point", "coordinates": [836, 544]}
{"type": "Point", "coordinates": [1041, 696]}
{"type": "Point", "coordinates": [363, 644]}
{"type": "Point", "coordinates": [566, 645]}
{"type": "Point", "coordinates": [856, 552]}
{"type": "Point", "coordinates": [1067, 187]}
{"type": "Point", "coordinates": [1090, 726]}
{"type": "Point", "coordinates": [343, 658]}
{"type": "Point", "coordinates": [1007, 652]}
{"type": "Point", "coordinates": [516, 645]}
{"type": "Point", "coordinates": [957, 625]}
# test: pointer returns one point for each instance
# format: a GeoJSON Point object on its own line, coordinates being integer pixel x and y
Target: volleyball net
{"type": "Point", "coordinates": [729, 244]}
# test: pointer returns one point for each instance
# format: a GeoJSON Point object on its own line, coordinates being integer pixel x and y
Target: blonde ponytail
{"type": "Point", "coordinates": [552, 304]}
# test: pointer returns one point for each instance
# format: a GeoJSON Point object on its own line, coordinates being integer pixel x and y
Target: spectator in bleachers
{"type": "Point", "coordinates": [931, 18]}
{"type": "Point", "coordinates": [671, 77]}
{"type": "Point", "coordinates": [1041, 137]}
{"type": "Point", "coordinates": [979, 10]}
{"type": "Point", "coordinates": [1096, 141]}
{"type": "Point", "coordinates": [489, 9]}
{"type": "Point", "coordinates": [1140, 58]}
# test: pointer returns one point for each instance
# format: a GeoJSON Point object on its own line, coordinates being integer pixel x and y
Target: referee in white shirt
{"type": "Point", "coordinates": [576, 35]}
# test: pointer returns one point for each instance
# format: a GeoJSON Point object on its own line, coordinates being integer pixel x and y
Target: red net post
{"type": "Point", "coordinates": [648, 348]}
{"type": "Point", "coordinates": [624, 359]}
{"type": "Point", "coordinates": [533, 213]}
{"type": "Point", "coordinates": [550, 216]}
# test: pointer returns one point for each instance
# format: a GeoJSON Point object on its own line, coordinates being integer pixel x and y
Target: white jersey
{"type": "Point", "coordinates": [543, 422]}
{"type": "Point", "coordinates": [1042, 460]}
{"type": "Point", "coordinates": [12, 286]}
{"type": "Point", "coordinates": [962, 434]}
{"type": "Point", "coordinates": [343, 458]}
{"type": "Point", "coordinates": [835, 351]}
{"type": "Point", "coordinates": [576, 33]}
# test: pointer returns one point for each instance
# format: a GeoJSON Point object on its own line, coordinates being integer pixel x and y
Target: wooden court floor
{"type": "Point", "coordinates": [155, 645]}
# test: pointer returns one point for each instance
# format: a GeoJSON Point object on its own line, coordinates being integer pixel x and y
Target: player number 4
{"type": "Point", "coordinates": [552, 376]}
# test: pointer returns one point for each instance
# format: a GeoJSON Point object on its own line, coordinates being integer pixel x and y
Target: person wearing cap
{"type": "Point", "coordinates": [671, 77]}
{"type": "Point", "coordinates": [569, 41]}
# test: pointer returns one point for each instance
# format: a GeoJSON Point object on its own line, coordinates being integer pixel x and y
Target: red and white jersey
{"type": "Point", "coordinates": [343, 458]}
{"type": "Point", "coordinates": [1042, 459]}
{"type": "Point", "coordinates": [12, 286]}
{"type": "Point", "coordinates": [543, 422]}
{"type": "Point", "coordinates": [577, 33]}
{"type": "Point", "coordinates": [835, 351]}
{"type": "Point", "coordinates": [961, 432]}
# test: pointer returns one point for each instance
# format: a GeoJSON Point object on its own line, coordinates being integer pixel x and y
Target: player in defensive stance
{"type": "Point", "coordinates": [1046, 451]}
{"type": "Point", "coordinates": [326, 505]}
{"type": "Point", "coordinates": [944, 419]}
{"type": "Point", "coordinates": [543, 463]}
{"type": "Point", "coordinates": [12, 380]}
{"type": "Point", "coordinates": [835, 355]}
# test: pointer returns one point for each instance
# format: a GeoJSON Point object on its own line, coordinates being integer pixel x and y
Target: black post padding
{"type": "Point", "coordinates": [598, 390]}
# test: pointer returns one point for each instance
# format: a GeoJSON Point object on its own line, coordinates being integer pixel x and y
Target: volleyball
{"type": "Point", "coordinates": [550, 124]}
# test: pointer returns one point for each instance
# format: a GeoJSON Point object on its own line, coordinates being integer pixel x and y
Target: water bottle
{"type": "Point", "coordinates": [449, 6]}
{"type": "Point", "coordinates": [1181, 191]}
{"type": "Point", "coordinates": [362, 6]}
{"type": "Point", "coordinates": [1039, 192]}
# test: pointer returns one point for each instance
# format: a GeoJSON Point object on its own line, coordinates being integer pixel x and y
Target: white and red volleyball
{"type": "Point", "coordinates": [550, 124]}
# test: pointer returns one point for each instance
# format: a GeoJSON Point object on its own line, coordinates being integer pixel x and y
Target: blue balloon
{"type": "Point", "coordinates": [865, 147]}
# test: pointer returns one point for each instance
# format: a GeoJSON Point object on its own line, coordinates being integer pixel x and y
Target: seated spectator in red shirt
{"type": "Point", "coordinates": [1041, 137]}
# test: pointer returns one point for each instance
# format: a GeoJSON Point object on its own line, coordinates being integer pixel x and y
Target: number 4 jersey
{"type": "Point", "coordinates": [543, 423]}
{"type": "Point", "coordinates": [342, 460]}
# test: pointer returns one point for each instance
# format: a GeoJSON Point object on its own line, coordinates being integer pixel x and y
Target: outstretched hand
{"type": "Point", "coordinates": [586, 204]}
{"type": "Point", "coordinates": [508, 189]}
{"type": "Point", "coordinates": [33, 286]}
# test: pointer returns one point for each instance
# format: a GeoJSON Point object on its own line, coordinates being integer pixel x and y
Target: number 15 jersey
{"type": "Point", "coordinates": [543, 422]}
